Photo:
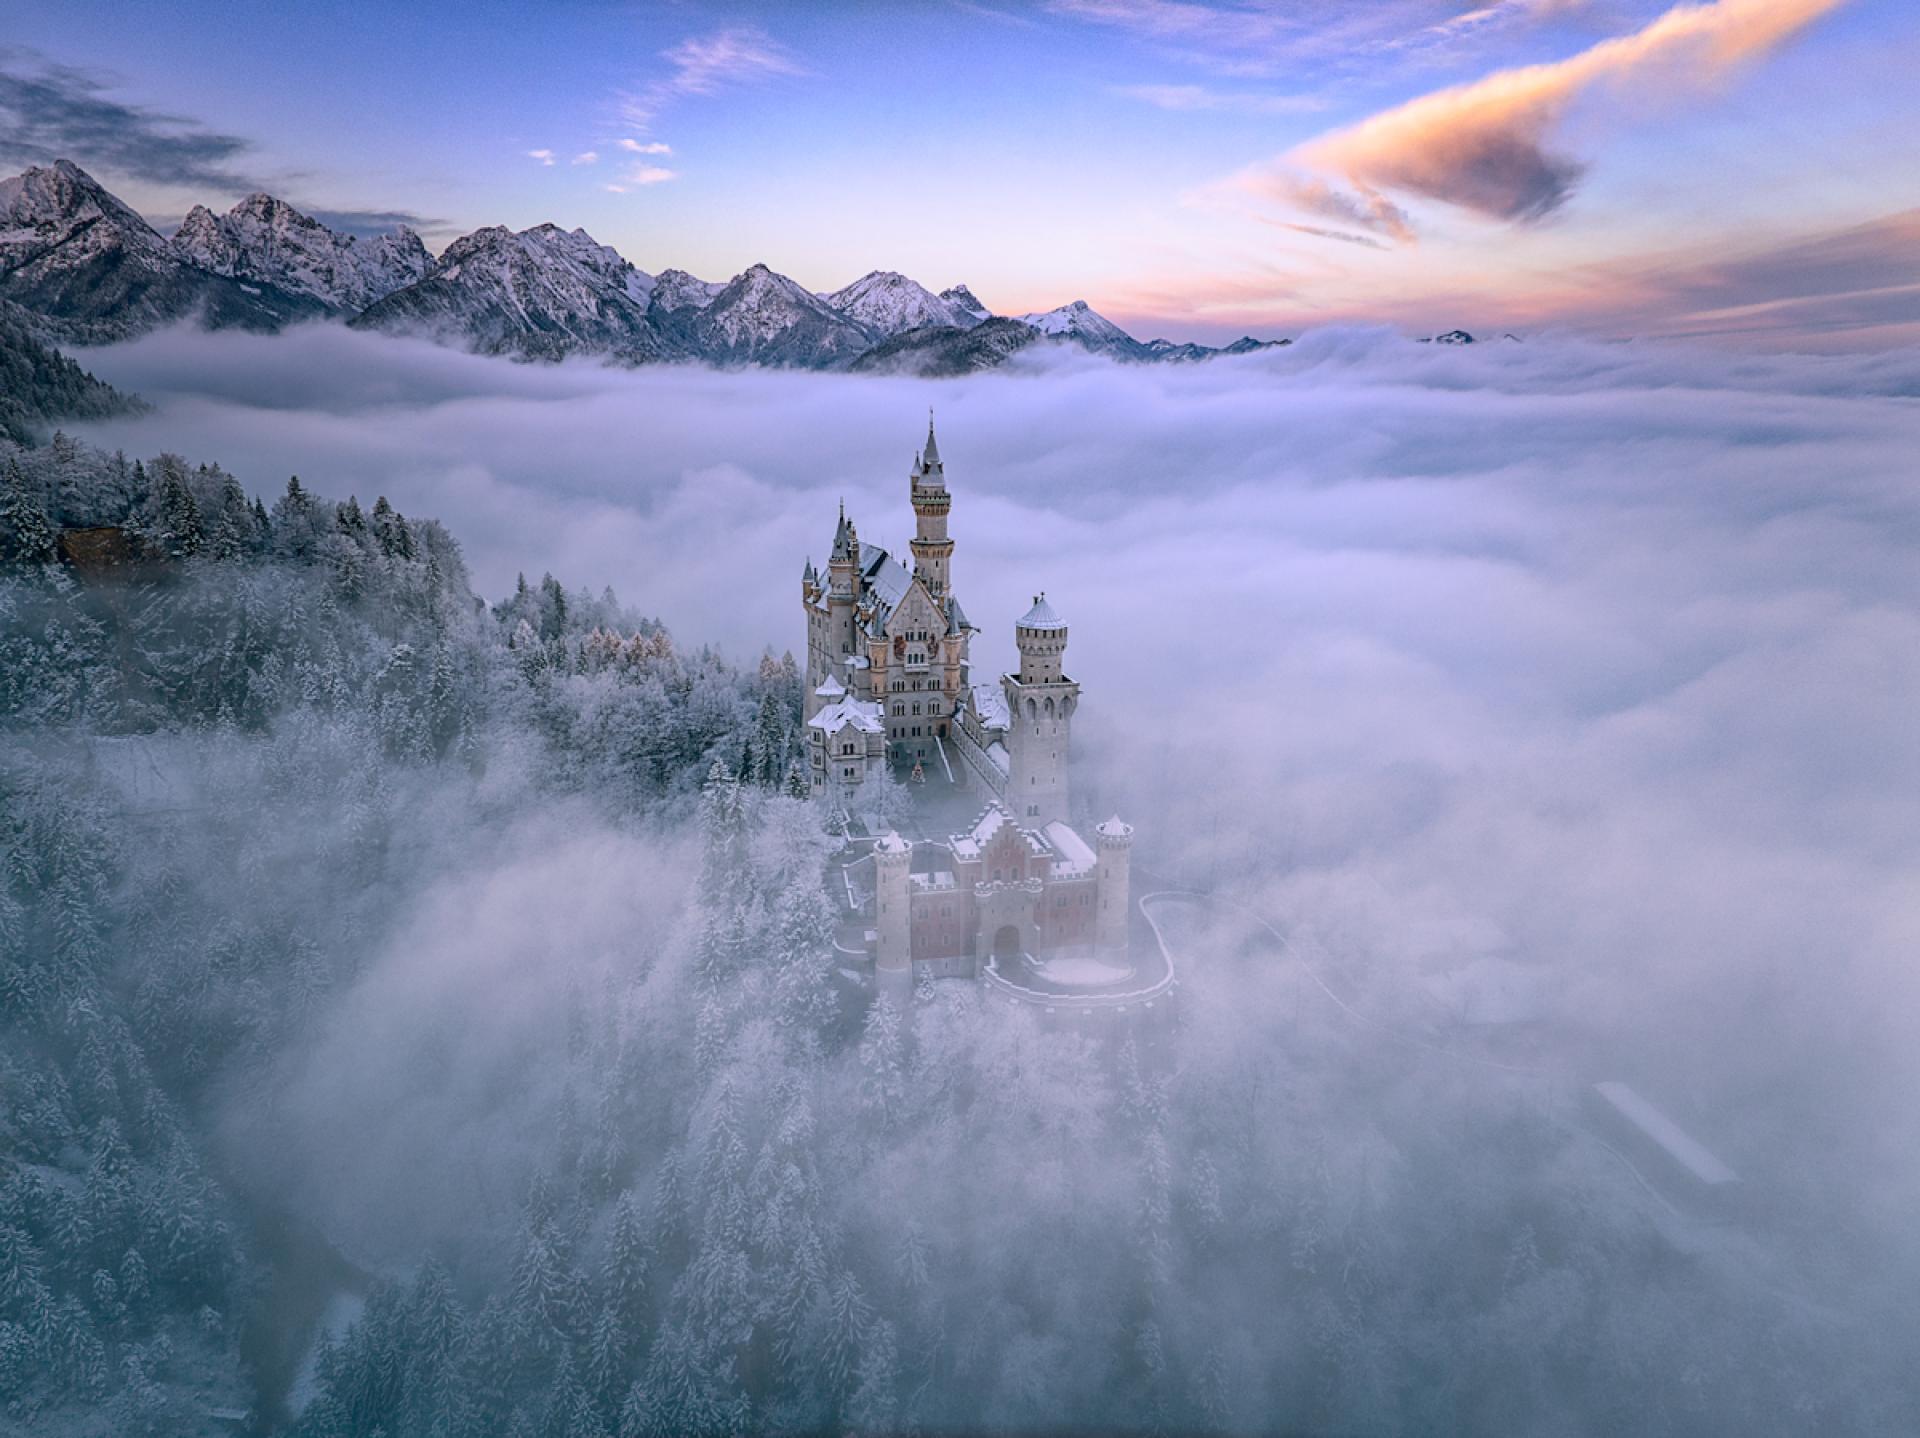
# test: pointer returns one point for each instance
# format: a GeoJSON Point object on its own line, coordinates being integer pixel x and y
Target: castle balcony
{"type": "Point", "coordinates": [986, 888]}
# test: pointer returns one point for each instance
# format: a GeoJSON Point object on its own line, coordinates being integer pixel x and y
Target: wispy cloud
{"type": "Point", "coordinates": [646, 147]}
{"type": "Point", "coordinates": [640, 175]}
{"type": "Point", "coordinates": [707, 64]}
{"type": "Point", "coordinates": [587, 157]}
{"type": "Point", "coordinates": [50, 111]}
{"type": "Point", "coordinates": [545, 157]}
{"type": "Point", "coordinates": [1486, 146]}
{"type": "Point", "coordinates": [374, 222]}
{"type": "Point", "coordinates": [1363, 208]}
{"type": "Point", "coordinates": [1202, 97]}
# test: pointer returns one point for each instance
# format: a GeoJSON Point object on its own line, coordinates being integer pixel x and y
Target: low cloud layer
{"type": "Point", "coordinates": [1597, 661]}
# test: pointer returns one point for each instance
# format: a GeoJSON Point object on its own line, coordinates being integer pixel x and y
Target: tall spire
{"type": "Point", "coordinates": [931, 455]}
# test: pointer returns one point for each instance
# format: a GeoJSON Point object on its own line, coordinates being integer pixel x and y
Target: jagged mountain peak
{"type": "Point", "coordinates": [1082, 323]}
{"type": "Point", "coordinates": [675, 290]}
{"type": "Point", "coordinates": [887, 302]}
{"type": "Point", "coordinates": [966, 299]}
{"type": "Point", "coordinates": [263, 240]}
{"type": "Point", "coordinates": [62, 191]}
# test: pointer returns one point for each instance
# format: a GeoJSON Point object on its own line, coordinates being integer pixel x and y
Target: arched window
{"type": "Point", "coordinates": [1032, 709]}
{"type": "Point", "coordinates": [1049, 706]}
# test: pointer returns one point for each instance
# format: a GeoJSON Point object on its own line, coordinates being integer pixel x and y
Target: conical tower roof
{"type": "Point", "coordinates": [1042, 615]}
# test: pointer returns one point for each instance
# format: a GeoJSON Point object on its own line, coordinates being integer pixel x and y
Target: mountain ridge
{"type": "Point", "coordinates": [88, 269]}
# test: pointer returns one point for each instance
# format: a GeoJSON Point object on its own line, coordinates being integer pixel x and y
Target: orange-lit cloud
{"type": "Point", "coordinates": [1485, 146]}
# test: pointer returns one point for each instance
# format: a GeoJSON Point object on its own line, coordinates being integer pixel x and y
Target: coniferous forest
{"type": "Point", "coordinates": [419, 1015]}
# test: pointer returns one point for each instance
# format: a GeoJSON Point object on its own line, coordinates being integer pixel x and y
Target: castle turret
{"type": "Point", "coordinates": [843, 590]}
{"type": "Point", "coordinates": [893, 947]}
{"type": "Point", "coordinates": [1114, 841]}
{"type": "Point", "coordinates": [1040, 703]}
{"type": "Point", "coordinates": [932, 550]}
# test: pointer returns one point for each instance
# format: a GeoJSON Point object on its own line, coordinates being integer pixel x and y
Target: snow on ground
{"type": "Point", "coordinates": [1082, 973]}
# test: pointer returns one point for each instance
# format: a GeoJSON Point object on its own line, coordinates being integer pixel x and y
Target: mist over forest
{"type": "Point", "coordinates": [418, 1009]}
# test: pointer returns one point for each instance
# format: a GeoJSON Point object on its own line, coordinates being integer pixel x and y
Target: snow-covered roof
{"type": "Point", "coordinates": [1042, 615]}
{"type": "Point", "coordinates": [832, 689]}
{"type": "Point", "coordinates": [990, 703]}
{"type": "Point", "coordinates": [997, 752]}
{"type": "Point", "coordinates": [1113, 829]}
{"type": "Point", "coordinates": [891, 843]}
{"type": "Point", "coordinates": [885, 577]}
{"type": "Point", "coordinates": [855, 713]}
{"type": "Point", "coordinates": [1071, 853]}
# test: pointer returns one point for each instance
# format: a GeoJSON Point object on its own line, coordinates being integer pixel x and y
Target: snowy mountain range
{"type": "Point", "coordinates": [268, 242]}
{"type": "Point", "coordinates": [91, 270]}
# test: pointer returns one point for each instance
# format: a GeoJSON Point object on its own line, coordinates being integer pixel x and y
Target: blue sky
{"type": "Point", "coordinates": [1192, 169]}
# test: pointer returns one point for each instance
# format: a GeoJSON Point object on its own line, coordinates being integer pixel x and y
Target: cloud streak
{"type": "Point", "coordinates": [1487, 147]}
{"type": "Point", "coordinates": [1190, 98]}
{"type": "Point", "coordinates": [708, 64]}
{"type": "Point", "coordinates": [50, 111]}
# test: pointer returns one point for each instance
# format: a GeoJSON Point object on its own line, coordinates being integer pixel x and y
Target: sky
{"type": "Point", "coordinates": [1746, 171]}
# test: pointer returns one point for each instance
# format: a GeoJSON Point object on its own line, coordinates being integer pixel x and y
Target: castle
{"type": "Point", "coordinates": [1016, 895]}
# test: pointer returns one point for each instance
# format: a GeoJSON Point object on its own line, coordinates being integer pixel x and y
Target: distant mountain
{"type": "Point", "coordinates": [1451, 337]}
{"type": "Point", "coordinates": [90, 270]}
{"type": "Point", "coordinates": [675, 290]}
{"type": "Point", "coordinates": [963, 297]}
{"type": "Point", "coordinates": [889, 304]}
{"type": "Point", "coordinates": [1087, 327]}
{"type": "Point", "coordinates": [39, 386]}
{"type": "Point", "coordinates": [767, 319]}
{"type": "Point", "coordinates": [542, 293]}
{"type": "Point", "coordinates": [93, 271]}
{"type": "Point", "coordinates": [269, 242]}
{"type": "Point", "coordinates": [941, 351]}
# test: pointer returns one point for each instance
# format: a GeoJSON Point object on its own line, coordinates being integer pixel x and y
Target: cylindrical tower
{"type": "Point", "coordinates": [892, 917]}
{"type": "Point", "coordinates": [1112, 884]}
{"type": "Point", "coordinates": [1040, 704]}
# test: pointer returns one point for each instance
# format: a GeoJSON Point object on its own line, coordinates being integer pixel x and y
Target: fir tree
{"type": "Point", "coordinates": [26, 534]}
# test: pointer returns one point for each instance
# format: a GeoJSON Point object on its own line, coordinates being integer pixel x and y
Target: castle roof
{"type": "Point", "coordinates": [832, 689]}
{"type": "Point", "coordinates": [1113, 829]}
{"type": "Point", "coordinates": [1071, 854]}
{"type": "Point", "coordinates": [990, 703]}
{"type": "Point", "coordinates": [931, 455]}
{"type": "Point", "coordinates": [856, 713]}
{"type": "Point", "coordinates": [891, 843]}
{"type": "Point", "coordinates": [1042, 615]}
{"type": "Point", "coordinates": [956, 617]}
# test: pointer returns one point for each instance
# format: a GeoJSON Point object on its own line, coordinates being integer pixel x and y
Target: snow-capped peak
{"type": "Point", "coordinates": [675, 290]}
{"type": "Point", "coordinates": [890, 303]}
{"type": "Point", "coordinates": [49, 196]}
{"type": "Point", "coordinates": [962, 297]}
{"type": "Point", "coordinates": [265, 240]}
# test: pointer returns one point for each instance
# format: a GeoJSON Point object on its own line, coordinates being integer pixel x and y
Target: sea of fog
{"type": "Point", "coordinates": [1598, 661]}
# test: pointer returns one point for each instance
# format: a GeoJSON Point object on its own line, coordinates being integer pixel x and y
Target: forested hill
{"type": "Point", "coordinates": [238, 741]}
{"type": "Point", "coordinates": [40, 386]}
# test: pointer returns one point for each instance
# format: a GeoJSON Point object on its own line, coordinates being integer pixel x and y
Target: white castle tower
{"type": "Point", "coordinates": [1115, 843]}
{"type": "Point", "coordinates": [1040, 701]}
{"type": "Point", "coordinates": [893, 916]}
